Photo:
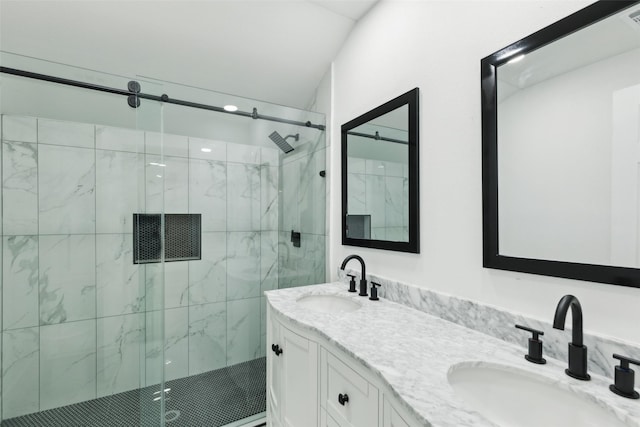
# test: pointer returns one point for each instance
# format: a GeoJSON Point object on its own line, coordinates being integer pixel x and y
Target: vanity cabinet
{"type": "Point", "coordinates": [311, 383]}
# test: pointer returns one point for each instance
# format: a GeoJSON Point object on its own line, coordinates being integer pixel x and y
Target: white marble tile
{"type": "Point", "coordinates": [307, 144]}
{"type": "Point", "coordinates": [356, 165]}
{"type": "Point", "coordinates": [247, 154]}
{"type": "Point", "coordinates": [268, 260]}
{"type": "Point", "coordinates": [319, 265]}
{"type": "Point", "coordinates": [120, 339]}
{"type": "Point", "coordinates": [177, 343]}
{"type": "Point", "coordinates": [243, 265]}
{"type": "Point", "coordinates": [375, 187]}
{"type": "Point", "coordinates": [374, 167]}
{"type": "Point", "coordinates": [66, 133]}
{"type": "Point", "coordinates": [356, 194]}
{"type": "Point", "coordinates": [154, 363]}
{"type": "Point", "coordinates": [67, 363]}
{"type": "Point", "coordinates": [66, 196]}
{"type": "Point", "coordinates": [208, 193]}
{"type": "Point", "coordinates": [288, 260]}
{"type": "Point", "coordinates": [176, 284]}
{"type": "Point", "coordinates": [312, 194]}
{"type": "Point", "coordinates": [269, 198]}
{"type": "Point", "coordinates": [289, 217]}
{"type": "Point", "coordinates": [310, 262]}
{"type": "Point", "coordinates": [207, 149]}
{"type": "Point", "coordinates": [1, 234]}
{"type": "Point", "coordinates": [19, 128]}
{"type": "Point", "coordinates": [243, 197]}
{"type": "Point", "coordinates": [166, 144]}
{"type": "Point", "coordinates": [20, 372]}
{"type": "Point", "coordinates": [172, 278]}
{"type": "Point", "coordinates": [120, 190]}
{"type": "Point", "coordinates": [119, 282]}
{"type": "Point", "coordinates": [207, 337]}
{"type": "Point", "coordinates": [67, 278]}
{"type": "Point", "coordinates": [397, 234]}
{"type": "Point", "coordinates": [20, 282]}
{"type": "Point", "coordinates": [393, 194]}
{"type": "Point", "coordinates": [394, 169]}
{"type": "Point", "coordinates": [19, 188]}
{"type": "Point", "coordinates": [243, 330]}
{"type": "Point", "coordinates": [119, 139]}
{"type": "Point", "coordinates": [167, 188]}
{"type": "Point", "coordinates": [208, 276]}
{"type": "Point", "coordinates": [405, 202]}
{"type": "Point", "coordinates": [269, 157]}
{"type": "Point", "coordinates": [176, 356]}
{"type": "Point", "coordinates": [263, 326]}
{"type": "Point", "coordinates": [379, 233]}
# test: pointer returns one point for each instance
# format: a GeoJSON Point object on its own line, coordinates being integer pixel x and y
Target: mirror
{"type": "Point", "coordinates": [380, 177]}
{"type": "Point", "coordinates": [561, 149]}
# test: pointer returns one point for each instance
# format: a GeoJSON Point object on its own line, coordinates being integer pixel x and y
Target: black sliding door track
{"type": "Point", "coordinates": [134, 96]}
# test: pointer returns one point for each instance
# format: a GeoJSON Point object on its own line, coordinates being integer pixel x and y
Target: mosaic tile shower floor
{"type": "Point", "coordinates": [211, 399]}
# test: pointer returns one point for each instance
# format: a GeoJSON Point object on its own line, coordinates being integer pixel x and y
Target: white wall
{"type": "Point", "coordinates": [437, 46]}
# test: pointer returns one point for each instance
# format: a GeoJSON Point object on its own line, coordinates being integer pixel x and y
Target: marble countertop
{"type": "Point", "coordinates": [412, 352]}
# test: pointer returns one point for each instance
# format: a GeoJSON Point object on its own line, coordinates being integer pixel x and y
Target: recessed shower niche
{"type": "Point", "coordinates": [182, 234]}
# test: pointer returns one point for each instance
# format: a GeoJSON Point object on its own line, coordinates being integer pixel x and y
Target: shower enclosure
{"type": "Point", "coordinates": [137, 244]}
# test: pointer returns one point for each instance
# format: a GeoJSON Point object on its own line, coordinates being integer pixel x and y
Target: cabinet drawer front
{"type": "Point", "coordinates": [350, 399]}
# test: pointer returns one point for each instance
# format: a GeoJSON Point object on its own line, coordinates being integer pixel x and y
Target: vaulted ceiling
{"type": "Point", "coordinates": [271, 50]}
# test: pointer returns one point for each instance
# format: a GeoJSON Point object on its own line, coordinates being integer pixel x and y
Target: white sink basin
{"type": "Point", "coordinates": [329, 303]}
{"type": "Point", "coordinates": [516, 398]}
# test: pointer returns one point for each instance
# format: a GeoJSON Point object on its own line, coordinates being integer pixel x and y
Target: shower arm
{"type": "Point", "coordinates": [134, 95]}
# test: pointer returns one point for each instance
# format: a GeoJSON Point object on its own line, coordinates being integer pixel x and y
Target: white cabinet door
{"type": "Point", "coordinates": [299, 387]}
{"type": "Point", "coordinates": [292, 377]}
{"type": "Point", "coordinates": [274, 374]}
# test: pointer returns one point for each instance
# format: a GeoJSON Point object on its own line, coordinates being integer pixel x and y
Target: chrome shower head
{"type": "Point", "coordinates": [282, 142]}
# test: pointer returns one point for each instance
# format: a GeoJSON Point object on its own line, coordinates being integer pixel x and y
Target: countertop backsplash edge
{"type": "Point", "coordinates": [499, 323]}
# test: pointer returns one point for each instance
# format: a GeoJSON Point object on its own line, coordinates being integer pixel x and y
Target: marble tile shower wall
{"type": "Point", "coordinates": [79, 319]}
{"type": "Point", "coordinates": [302, 209]}
{"type": "Point", "coordinates": [368, 179]}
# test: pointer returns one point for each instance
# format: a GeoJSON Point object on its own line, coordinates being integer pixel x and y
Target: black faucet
{"type": "Point", "coordinates": [363, 280]}
{"type": "Point", "coordinates": [577, 351]}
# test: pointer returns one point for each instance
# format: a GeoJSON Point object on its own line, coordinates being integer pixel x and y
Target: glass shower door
{"type": "Point", "coordinates": [74, 313]}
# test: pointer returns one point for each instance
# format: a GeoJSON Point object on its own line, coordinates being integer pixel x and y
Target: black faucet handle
{"type": "Point", "coordinates": [352, 283]}
{"type": "Point", "coordinates": [535, 332]}
{"type": "Point", "coordinates": [624, 378]}
{"type": "Point", "coordinates": [624, 361]}
{"type": "Point", "coordinates": [374, 291]}
{"type": "Point", "coordinates": [535, 346]}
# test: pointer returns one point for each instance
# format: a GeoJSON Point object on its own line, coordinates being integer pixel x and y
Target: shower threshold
{"type": "Point", "coordinates": [214, 399]}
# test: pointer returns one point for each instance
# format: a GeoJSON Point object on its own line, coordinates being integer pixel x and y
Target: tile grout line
{"type": "Point", "coordinates": [37, 145]}
{"type": "Point", "coordinates": [95, 251]}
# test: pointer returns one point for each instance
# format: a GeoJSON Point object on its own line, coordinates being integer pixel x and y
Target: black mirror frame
{"type": "Point", "coordinates": [413, 245]}
{"type": "Point", "coordinates": [622, 276]}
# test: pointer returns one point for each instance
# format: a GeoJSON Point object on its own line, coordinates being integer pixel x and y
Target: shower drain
{"type": "Point", "coordinates": [171, 415]}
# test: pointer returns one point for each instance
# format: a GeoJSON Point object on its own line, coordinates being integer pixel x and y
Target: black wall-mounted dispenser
{"type": "Point", "coordinates": [295, 238]}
